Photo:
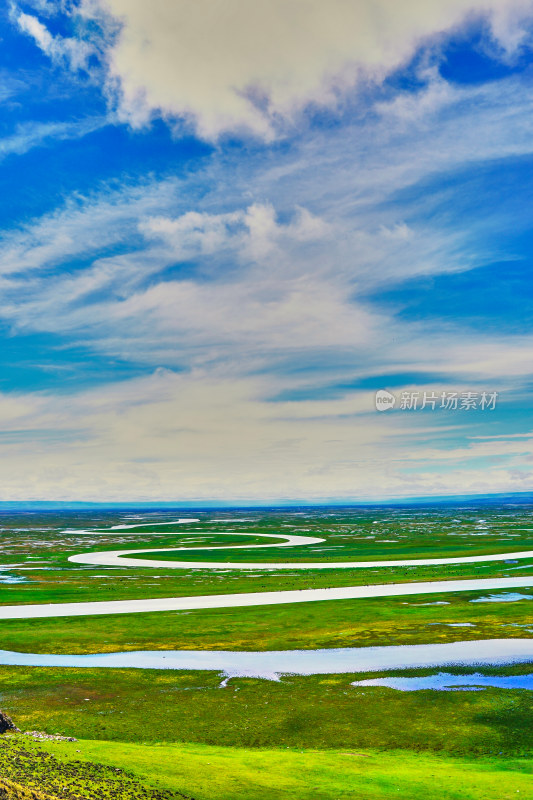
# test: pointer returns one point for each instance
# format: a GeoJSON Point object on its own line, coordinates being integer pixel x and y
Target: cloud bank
{"type": "Point", "coordinates": [249, 65]}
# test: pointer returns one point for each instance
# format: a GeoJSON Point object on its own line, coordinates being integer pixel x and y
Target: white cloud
{"type": "Point", "coordinates": [61, 50]}
{"type": "Point", "coordinates": [82, 227]}
{"type": "Point", "coordinates": [258, 292]}
{"type": "Point", "coordinates": [202, 436]}
{"type": "Point", "coordinates": [36, 134]}
{"type": "Point", "coordinates": [267, 271]}
{"type": "Point", "coordinates": [270, 284]}
{"type": "Point", "coordinates": [254, 231]}
{"type": "Point", "coordinates": [264, 264]}
{"type": "Point", "coordinates": [242, 64]}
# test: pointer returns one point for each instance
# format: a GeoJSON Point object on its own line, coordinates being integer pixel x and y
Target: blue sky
{"type": "Point", "coordinates": [224, 227]}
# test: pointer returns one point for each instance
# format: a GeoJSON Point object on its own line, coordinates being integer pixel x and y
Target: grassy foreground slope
{"type": "Point", "coordinates": [29, 772]}
{"type": "Point", "coordinates": [14, 791]}
{"type": "Point", "coordinates": [217, 773]}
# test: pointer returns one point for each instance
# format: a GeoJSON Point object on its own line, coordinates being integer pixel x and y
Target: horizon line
{"type": "Point", "coordinates": [205, 505]}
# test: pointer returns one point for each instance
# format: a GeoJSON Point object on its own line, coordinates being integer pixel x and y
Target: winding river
{"type": "Point", "coordinates": [119, 558]}
{"type": "Point", "coordinates": [271, 664]}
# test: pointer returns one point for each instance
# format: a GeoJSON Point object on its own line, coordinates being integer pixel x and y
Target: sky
{"type": "Point", "coordinates": [224, 226]}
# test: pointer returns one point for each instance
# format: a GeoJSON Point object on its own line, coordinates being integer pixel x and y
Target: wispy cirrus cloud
{"type": "Point", "coordinates": [136, 275]}
{"type": "Point", "coordinates": [83, 226]}
{"type": "Point", "coordinates": [71, 51]}
{"type": "Point", "coordinates": [28, 135]}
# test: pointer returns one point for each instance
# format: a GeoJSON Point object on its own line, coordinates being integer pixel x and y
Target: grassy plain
{"type": "Point", "coordinates": [108, 583]}
{"type": "Point", "coordinates": [39, 546]}
{"type": "Point", "coordinates": [320, 712]}
{"type": "Point", "coordinates": [302, 737]}
{"type": "Point", "coordinates": [333, 623]}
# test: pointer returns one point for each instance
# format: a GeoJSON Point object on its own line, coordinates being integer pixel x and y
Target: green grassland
{"type": "Point", "coordinates": [333, 623]}
{"type": "Point", "coordinates": [339, 547]}
{"type": "Point", "coordinates": [28, 772]}
{"type": "Point", "coordinates": [320, 712]}
{"type": "Point", "coordinates": [81, 584]}
{"type": "Point", "coordinates": [302, 737]}
{"type": "Point", "coordinates": [226, 773]}
{"type": "Point", "coordinates": [40, 553]}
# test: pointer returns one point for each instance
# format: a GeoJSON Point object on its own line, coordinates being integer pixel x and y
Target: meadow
{"type": "Point", "coordinates": [321, 736]}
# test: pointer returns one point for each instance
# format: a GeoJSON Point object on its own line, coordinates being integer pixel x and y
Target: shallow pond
{"type": "Point", "coordinates": [444, 682]}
